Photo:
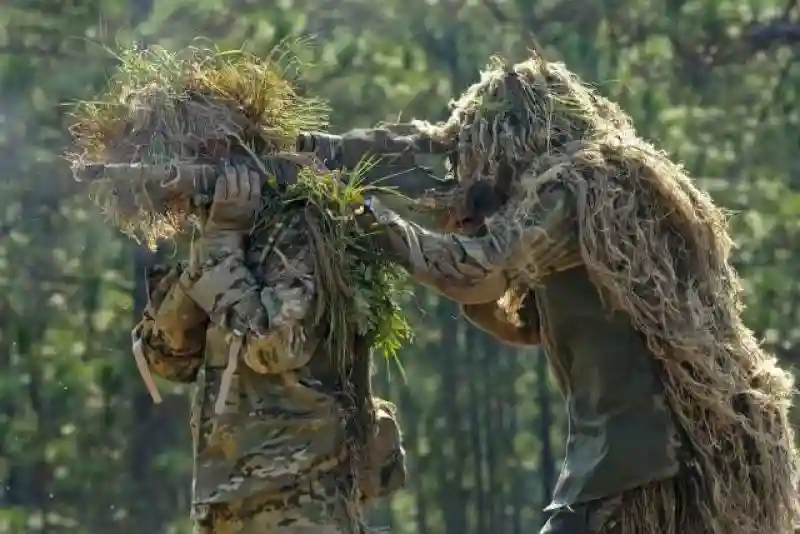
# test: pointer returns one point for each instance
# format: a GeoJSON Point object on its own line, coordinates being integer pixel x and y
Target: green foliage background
{"type": "Point", "coordinates": [82, 449]}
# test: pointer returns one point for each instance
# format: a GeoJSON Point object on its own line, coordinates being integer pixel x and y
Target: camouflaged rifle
{"type": "Point", "coordinates": [392, 166]}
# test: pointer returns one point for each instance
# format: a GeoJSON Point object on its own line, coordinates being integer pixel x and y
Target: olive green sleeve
{"type": "Point", "coordinates": [532, 241]}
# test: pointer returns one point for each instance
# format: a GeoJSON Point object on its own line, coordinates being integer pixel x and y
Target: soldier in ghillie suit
{"type": "Point", "coordinates": [606, 253]}
{"type": "Point", "coordinates": [274, 419]}
{"type": "Point", "coordinates": [278, 309]}
{"type": "Point", "coordinates": [288, 438]}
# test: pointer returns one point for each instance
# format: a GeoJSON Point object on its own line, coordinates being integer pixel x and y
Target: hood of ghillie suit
{"type": "Point", "coordinates": [657, 248]}
{"type": "Point", "coordinates": [515, 114]}
{"type": "Point", "coordinates": [194, 106]}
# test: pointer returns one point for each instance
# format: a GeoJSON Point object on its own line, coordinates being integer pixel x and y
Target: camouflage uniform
{"type": "Point", "coordinates": [621, 435]}
{"type": "Point", "coordinates": [269, 421]}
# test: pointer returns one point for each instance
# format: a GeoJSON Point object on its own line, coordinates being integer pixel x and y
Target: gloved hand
{"type": "Point", "coordinates": [386, 230]}
{"type": "Point", "coordinates": [222, 285]}
{"type": "Point", "coordinates": [237, 198]}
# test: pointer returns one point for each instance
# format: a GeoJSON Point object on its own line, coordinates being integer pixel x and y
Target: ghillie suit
{"type": "Point", "coordinates": [678, 419]}
{"type": "Point", "coordinates": [275, 321]}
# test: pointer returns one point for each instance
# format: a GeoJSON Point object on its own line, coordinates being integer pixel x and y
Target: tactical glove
{"type": "Point", "coordinates": [222, 285]}
{"type": "Point", "coordinates": [237, 198]}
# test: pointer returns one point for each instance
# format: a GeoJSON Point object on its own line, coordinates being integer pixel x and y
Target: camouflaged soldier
{"type": "Point", "coordinates": [269, 421]}
{"type": "Point", "coordinates": [607, 254]}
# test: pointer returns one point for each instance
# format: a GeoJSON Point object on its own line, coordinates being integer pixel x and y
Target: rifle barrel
{"type": "Point", "coordinates": [179, 178]}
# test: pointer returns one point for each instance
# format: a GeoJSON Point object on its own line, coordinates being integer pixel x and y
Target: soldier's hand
{"type": "Point", "coordinates": [237, 199]}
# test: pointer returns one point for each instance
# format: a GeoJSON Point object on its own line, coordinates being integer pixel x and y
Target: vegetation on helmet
{"type": "Point", "coordinates": [195, 106]}
{"type": "Point", "coordinates": [200, 106]}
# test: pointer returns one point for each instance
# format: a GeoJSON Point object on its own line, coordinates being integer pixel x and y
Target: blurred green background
{"type": "Point", "coordinates": [716, 83]}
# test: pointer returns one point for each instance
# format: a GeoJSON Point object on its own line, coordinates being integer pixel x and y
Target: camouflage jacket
{"type": "Point", "coordinates": [621, 433]}
{"type": "Point", "coordinates": [267, 415]}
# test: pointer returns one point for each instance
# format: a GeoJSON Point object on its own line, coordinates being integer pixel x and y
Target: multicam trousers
{"type": "Point", "coordinates": [319, 510]}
